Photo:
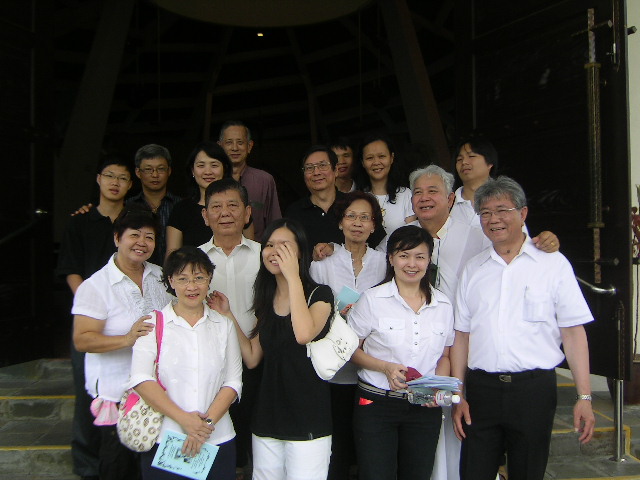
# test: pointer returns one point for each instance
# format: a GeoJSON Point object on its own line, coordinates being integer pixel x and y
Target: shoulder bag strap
{"type": "Point", "coordinates": [159, 333]}
{"type": "Point", "coordinates": [311, 295]}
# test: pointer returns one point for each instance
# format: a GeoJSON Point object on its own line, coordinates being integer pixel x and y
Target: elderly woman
{"type": "Point", "coordinates": [402, 323]}
{"type": "Point", "coordinates": [200, 366]}
{"type": "Point", "coordinates": [108, 311]}
{"type": "Point", "coordinates": [358, 267]}
{"type": "Point", "coordinates": [186, 226]}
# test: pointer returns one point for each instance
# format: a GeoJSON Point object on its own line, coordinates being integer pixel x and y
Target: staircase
{"type": "Point", "coordinates": [36, 410]}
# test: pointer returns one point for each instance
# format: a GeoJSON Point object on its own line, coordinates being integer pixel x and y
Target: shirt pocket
{"type": "Point", "coordinates": [391, 330]}
{"type": "Point", "coordinates": [538, 306]}
{"type": "Point", "coordinates": [438, 337]}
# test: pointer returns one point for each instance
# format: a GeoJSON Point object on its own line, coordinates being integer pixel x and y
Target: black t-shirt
{"type": "Point", "coordinates": [293, 402]}
{"type": "Point", "coordinates": [186, 216]}
{"type": "Point", "coordinates": [323, 227]}
{"type": "Point", "coordinates": [87, 244]}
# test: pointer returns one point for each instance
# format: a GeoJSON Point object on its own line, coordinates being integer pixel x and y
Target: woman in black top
{"type": "Point", "coordinates": [292, 420]}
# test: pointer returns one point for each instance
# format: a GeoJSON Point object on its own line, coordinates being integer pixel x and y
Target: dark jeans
{"type": "Point", "coordinates": [223, 468]}
{"type": "Point", "coordinates": [242, 412]}
{"type": "Point", "coordinates": [342, 446]}
{"type": "Point", "coordinates": [117, 462]}
{"type": "Point", "coordinates": [516, 416]}
{"type": "Point", "coordinates": [394, 439]}
{"type": "Point", "coordinates": [85, 436]}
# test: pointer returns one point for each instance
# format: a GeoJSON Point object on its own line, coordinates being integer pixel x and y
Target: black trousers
{"type": "Point", "coordinates": [394, 439]}
{"type": "Point", "coordinates": [514, 416]}
{"type": "Point", "coordinates": [117, 462]}
{"type": "Point", "coordinates": [242, 412]}
{"type": "Point", "coordinates": [343, 453]}
{"type": "Point", "coordinates": [85, 436]}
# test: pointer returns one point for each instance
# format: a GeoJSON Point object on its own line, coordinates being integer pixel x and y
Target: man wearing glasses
{"type": "Point", "coordinates": [515, 306]}
{"type": "Point", "coordinates": [315, 212]}
{"type": "Point", "coordinates": [153, 168]}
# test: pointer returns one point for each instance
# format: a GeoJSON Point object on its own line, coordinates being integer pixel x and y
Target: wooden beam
{"type": "Point", "coordinates": [421, 110]}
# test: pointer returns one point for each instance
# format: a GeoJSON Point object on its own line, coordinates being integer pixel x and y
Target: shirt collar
{"type": "Point", "coordinates": [116, 275]}
{"type": "Point", "coordinates": [390, 289]}
{"type": "Point", "coordinates": [210, 245]}
{"type": "Point", "coordinates": [459, 197]}
{"type": "Point", "coordinates": [527, 248]}
{"type": "Point", "coordinates": [444, 229]}
{"type": "Point", "coordinates": [170, 316]}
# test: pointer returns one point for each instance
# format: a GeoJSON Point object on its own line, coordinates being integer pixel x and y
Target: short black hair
{"type": "Point", "coordinates": [482, 146]}
{"type": "Point", "coordinates": [333, 158]}
{"type": "Point", "coordinates": [224, 185]}
{"type": "Point", "coordinates": [151, 151]}
{"type": "Point", "coordinates": [343, 202]}
{"type": "Point", "coordinates": [136, 216]}
{"type": "Point", "coordinates": [114, 159]}
{"type": "Point", "coordinates": [180, 259]}
{"type": "Point", "coordinates": [341, 142]}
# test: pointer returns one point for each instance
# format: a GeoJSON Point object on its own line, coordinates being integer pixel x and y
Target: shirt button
{"type": "Point", "coordinates": [415, 333]}
{"type": "Point", "coordinates": [415, 322]}
{"type": "Point", "coordinates": [415, 343]}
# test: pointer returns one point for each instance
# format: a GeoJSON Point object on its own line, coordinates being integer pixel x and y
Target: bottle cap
{"type": "Point", "coordinates": [455, 398]}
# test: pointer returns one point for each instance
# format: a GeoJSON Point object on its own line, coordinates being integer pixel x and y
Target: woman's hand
{"type": "Point", "coordinates": [139, 329]}
{"type": "Point", "coordinates": [219, 302]}
{"type": "Point", "coordinates": [288, 261]}
{"type": "Point", "coordinates": [395, 375]}
{"type": "Point", "coordinates": [197, 430]}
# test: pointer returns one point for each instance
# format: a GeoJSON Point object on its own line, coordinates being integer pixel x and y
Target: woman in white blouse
{"type": "Point", "coordinates": [402, 323]}
{"type": "Point", "coordinates": [377, 158]}
{"type": "Point", "coordinates": [200, 366]}
{"type": "Point", "coordinates": [358, 267]}
{"type": "Point", "coordinates": [109, 316]}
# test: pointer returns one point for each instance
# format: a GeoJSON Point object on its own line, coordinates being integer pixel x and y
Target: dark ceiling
{"type": "Point", "coordinates": [174, 67]}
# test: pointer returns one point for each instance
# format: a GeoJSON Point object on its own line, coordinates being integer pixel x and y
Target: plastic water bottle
{"type": "Point", "coordinates": [422, 395]}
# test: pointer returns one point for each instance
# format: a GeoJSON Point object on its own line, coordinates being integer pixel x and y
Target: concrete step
{"type": "Point", "coordinates": [36, 410]}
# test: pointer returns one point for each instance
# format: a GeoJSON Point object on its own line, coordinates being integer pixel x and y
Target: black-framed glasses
{"type": "Point", "coordinates": [311, 167]}
{"type": "Point", "coordinates": [151, 170]}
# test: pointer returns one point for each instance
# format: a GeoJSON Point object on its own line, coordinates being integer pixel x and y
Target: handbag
{"type": "Point", "coordinates": [330, 353]}
{"type": "Point", "coordinates": [138, 423]}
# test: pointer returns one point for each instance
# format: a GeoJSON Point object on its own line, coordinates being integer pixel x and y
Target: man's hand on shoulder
{"type": "Point", "coordinates": [547, 242]}
{"type": "Point", "coordinates": [83, 209]}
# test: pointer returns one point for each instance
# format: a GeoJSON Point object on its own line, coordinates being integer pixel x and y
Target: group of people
{"type": "Point", "coordinates": [450, 283]}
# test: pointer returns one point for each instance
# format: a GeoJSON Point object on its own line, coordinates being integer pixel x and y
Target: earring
{"type": "Point", "coordinates": [340, 227]}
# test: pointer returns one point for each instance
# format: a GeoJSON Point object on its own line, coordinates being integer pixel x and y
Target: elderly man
{"type": "Point", "coordinates": [515, 306]}
{"type": "Point", "coordinates": [315, 212]}
{"type": "Point", "coordinates": [237, 261]}
{"type": "Point", "coordinates": [235, 139]}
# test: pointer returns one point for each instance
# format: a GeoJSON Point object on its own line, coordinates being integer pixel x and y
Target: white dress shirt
{"type": "Point", "coordinates": [394, 214]}
{"type": "Point", "coordinates": [395, 333]}
{"type": "Point", "coordinates": [513, 312]}
{"type": "Point", "coordinates": [110, 296]}
{"type": "Point", "coordinates": [337, 272]}
{"type": "Point", "coordinates": [234, 276]}
{"type": "Point", "coordinates": [195, 363]}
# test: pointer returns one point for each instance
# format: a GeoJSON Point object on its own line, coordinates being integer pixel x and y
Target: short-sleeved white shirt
{"type": "Point", "coordinates": [394, 214]}
{"type": "Point", "coordinates": [234, 276]}
{"type": "Point", "coordinates": [109, 295]}
{"type": "Point", "coordinates": [195, 363]}
{"type": "Point", "coordinates": [395, 333]}
{"type": "Point", "coordinates": [513, 312]}
{"type": "Point", "coordinates": [337, 270]}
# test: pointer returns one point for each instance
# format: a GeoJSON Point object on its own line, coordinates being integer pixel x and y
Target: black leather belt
{"type": "Point", "coordinates": [509, 377]}
{"type": "Point", "coordinates": [379, 391]}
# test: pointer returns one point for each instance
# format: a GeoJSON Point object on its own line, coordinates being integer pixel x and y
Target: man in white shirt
{"type": "Point", "coordinates": [514, 307]}
{"type": "Point", "coordinates": [236, 260]}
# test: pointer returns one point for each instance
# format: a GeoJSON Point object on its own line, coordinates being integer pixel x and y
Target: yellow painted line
{"type": "Point", "coordinates": [38, 397]}
{"type": "Point", "coordinates": [566, 384]}
{"type": "Point", "coordinates": [33, 447]}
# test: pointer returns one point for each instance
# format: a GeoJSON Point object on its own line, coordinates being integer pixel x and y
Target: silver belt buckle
{"type": "Point", "coordinates": [505, 378]}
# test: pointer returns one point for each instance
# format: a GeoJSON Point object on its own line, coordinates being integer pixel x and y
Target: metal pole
{"type": "Point", "coordinates": [617, 421]}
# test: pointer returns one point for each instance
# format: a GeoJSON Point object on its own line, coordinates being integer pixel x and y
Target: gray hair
{"type": "Point", "coordinates": [151, 151]}
{"type": "Point", "coordinates": [447, 178]}
{"type": "Point", "coordinates": [502, 186]}
{"type": "Point", "coordinates": [234, 123]}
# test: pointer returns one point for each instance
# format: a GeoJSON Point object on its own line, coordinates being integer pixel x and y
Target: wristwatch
{"type": "Point", "coordinates": [583, 397]}
{"type": "Point", "coordinates": [209, 422]}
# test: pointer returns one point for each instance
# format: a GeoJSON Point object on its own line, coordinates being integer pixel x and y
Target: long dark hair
{"type": "Point", "coordinates": [264, 289]}
{"type": "Point", "coordinates": [407, 238]}
{"type": "Point", "coordinates": [363, 182]}
{"type": "Point", "coordinates": [212, 150]}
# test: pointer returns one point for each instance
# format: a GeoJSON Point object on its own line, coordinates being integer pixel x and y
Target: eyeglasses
{"type": "Point", "coordinates": [111, 176]}
{"type": "Point", "coordinates": [151, 170]}
{"type": "Point", "coordinates": [501, 213]}
{"type": "Point", "coordinates": [365, 217]}
{"type": "Point", "coordinates": [311, 167]}
{"type": "Point", "coordinates": [184, 281]}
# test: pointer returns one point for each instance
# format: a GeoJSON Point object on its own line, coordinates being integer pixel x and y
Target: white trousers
{"type": "Point", "coordinates": [290, 460]}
